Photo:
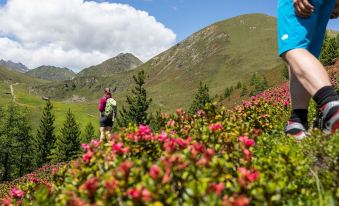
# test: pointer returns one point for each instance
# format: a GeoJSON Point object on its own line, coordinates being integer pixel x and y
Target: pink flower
{"type": "Point", "coordinates": [155, 172]}
{"type": "Point", "coordinates": [170, 123]}
{"type": "Point", "coordinates": [197, 148]}
{"type": "Point", "coordinates": [246, 141]}
{"type": "Point", "coordinates": [134, 193]}
{"type": "Point", "coordinates": [217, 188]}
{"type": "Point", "coordinates": [206, 158]}
{"type": "Point", "coordinates": [163, 136]}
{"type": "Point", "coordinates": [86, 147]}
{"type": "Point", "coordinates": [144, 130]}
{"type": "Point", "coordinates": [247, 176]}
{"type": "Point", "coordinates": [125, 167]}
{"type": "Point", "coordinates": [111, 185]}
{"type": "Point", "coordinates": [247, 154]}
{"type": "Point", "coordinates": [119, 148]}
{"type": "Point", "coordinates": [201, 113]}
{"type": "Point", "coordinates": [252, 176]}
{"type": "Point", "coordinates": [91, 186]}
{"type": "Point", "coordinates": [16, 193]}
{"type": "Point", "coordinates": [179, 111]}
{"type": "Point", "coordinates": [249, 143]}
{"type": "Point", "coordinates": [146, 195]}
{"type": "Point", "coordinates": [95, 143]}
{"type": "Point", "coordinates": [286, 103]}
{"type": "Point", "coordinates": [76, 201]}
{"type": "Point", "coordinates": [6, 201]}
{"type": "Point", "coordinates": [87, 156]}
{"type": "Point", "coordinates": [216, 127]}
{"type": "Point", "coordinates": [241, 201]}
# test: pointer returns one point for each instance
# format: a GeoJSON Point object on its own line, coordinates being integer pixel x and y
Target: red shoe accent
{"type": "Point", "coordinates": [335, 127]}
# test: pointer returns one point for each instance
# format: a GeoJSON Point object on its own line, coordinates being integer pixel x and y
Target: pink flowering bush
{"type": "Point", "coordinates": [234, 157]}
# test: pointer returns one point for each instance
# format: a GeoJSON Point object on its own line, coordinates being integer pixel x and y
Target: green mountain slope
{"type": "Point", "coordinates": [122, 62]}
{"type": "Point", "coordinates": [18, 77]}
{"type": "Point", "coordinates": [51, 73]}
{"type": "Point", "coordinates": [219, 55]}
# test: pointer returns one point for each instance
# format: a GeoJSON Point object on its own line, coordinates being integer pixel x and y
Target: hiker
{"type": "Point", "coordinates": [301, 30]}
{"type": "Point", "coordinates": [107, 113]}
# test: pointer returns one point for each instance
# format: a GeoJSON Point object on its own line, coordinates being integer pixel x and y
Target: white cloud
{"type": "Point", "coordinates": [77, 33]}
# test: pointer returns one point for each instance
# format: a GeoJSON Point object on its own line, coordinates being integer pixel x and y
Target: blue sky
{"type": "Point", "coordinates": [187, 16]}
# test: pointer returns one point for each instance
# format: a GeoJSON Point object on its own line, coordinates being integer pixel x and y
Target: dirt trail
{"type": "Point", "coordinates": [12, 91]}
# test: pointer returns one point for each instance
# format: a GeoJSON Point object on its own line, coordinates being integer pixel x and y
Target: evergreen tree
{"type": "Point", "coordinates": [156, 121]}
{"type": "Point", "coordinates": [254, 79]}
{"type": "Point", "coordinates": [138, 104]}
{"type": "Point", "coordinates": [89, 133]}
{"type": "Point", "coordinates": [239, 85]}
{"type": "Point", "coordinates": [284, 72]}
{"type": "Point", "coordinates": [244, 91]}
{"type": "Point", "coordinates": [18, 151]}
{"type": "Point", "coordinates": [45, 134]}
{"type": "Point", "coordinates": [201, 99]}
{"type": "Point", "coordinates": [227, 92]}
{"type": "Point", "coordinates": [67, 145]}
{"type": "Point", "coordinates": [329, 51]}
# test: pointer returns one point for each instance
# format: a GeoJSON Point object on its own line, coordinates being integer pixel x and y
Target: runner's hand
{"type": "Point", "coordinates": [303, 8]}
{"type": "Point", "coordinates": [335, 12]}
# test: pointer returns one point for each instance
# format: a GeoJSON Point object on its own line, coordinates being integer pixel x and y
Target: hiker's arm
{"type": "Point", "coordinates": [335, 13]}
{"type": "Point", "coordinates": [303, 8]}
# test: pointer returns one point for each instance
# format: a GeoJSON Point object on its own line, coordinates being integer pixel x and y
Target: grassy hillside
{"type": "Point", "coordinates": [51, 73]}
{"type": "Point", "coordinates": [220, 55]}
{"type": "Point", "coordinates": [121, 63]}
{"type": "Point", "coordinates": [84, 112]}
{"type": "Point", "coordinates": [13, 76]}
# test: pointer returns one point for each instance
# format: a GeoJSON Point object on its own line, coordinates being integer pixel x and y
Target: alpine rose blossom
{"type": "Point", "coordinates": [87, 156]}
{"type": "Point", "coordinates": [247, 141]}
{"type": "Point", "coordinates": [16, 193]}
{"type": "Point", "coordinates": [119, 148]}
{"type": "Point", "coordinates": [216, 127]}
{"type": "Point", "coordinates": [6, 201]}
{"type": "Point", "coordinates": [155, 172]}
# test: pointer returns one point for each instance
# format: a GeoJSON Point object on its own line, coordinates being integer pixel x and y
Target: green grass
{"type": "Point", "coordinates": [84, 112]}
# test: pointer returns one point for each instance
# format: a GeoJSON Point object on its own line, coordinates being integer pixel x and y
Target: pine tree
{"type": "Point", "coordinates": [89, 133]}
{"type": "Point", "coordinates": [285, 72]}
{"type": "Point", "coordinates": [201, 99]}
{"type": "Point", "coordinates": [138, 104]}
{"type": "Point", "coordinates": [227, 92]}
{"type": "Point", "coordinates": [45, 134]}
{"type": "Point", "coordinates": [239, 85]}
{"type": "Point", "coordinates": [18, 151]}
{"type": "Point", "coordinates": [329, 51]}
{"type": "Point", "coordinates": [244, 91]}
{"type": "Point", "coordinates": [67, 144]}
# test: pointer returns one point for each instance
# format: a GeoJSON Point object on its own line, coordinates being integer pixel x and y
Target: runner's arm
{"type": "Point", "coordinates": [303, 8]}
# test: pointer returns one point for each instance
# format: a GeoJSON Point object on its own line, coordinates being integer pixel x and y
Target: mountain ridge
{"type": "Point", "coordinates": [19, 67]}
{"type": "Point", "coordinates": [120, 63]}
{"type": "Point", "coordinates": [51, 73]}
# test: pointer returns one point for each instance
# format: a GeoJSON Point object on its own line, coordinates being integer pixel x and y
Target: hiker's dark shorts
{"type": "Point", "coordinates": [106, 122]}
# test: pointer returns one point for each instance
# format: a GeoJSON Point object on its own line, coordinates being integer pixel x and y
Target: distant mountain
{"type": "Point", "coordinates": [11, 76]}
{"type": "Point", "coordinates": [121, 63]}
{"type": "Point", "coordinates": [19, 67]}
{"type": "Point", "coordinates": [219, 55]}
{"type": "Point", "coordinates": [51, 73]}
